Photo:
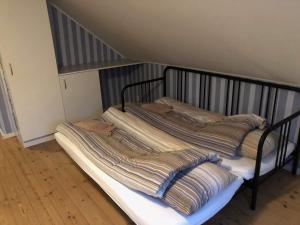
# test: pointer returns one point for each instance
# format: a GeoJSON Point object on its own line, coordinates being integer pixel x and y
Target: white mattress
{"type": "Point", "coordinates": [142, 209]}
{"type": "Point", "coordinates": [245, 167]}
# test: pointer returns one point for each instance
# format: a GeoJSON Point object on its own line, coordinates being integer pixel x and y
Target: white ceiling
{"type": "Point", "coordinates": [258, 38]}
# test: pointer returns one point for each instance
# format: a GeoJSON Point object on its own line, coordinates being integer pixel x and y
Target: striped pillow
{"type": "Point", "coordinates": [250, 144]}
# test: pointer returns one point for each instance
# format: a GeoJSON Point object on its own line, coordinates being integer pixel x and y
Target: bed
{"type": "Point", "coordinates": [145, 171]}
{"type": "Point", "coordinates": [254, 171]}
{"type": "Point", "coordinates": [142, 209]}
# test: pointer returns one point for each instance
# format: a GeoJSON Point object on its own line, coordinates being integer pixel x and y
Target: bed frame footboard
{"type": "Point", "coordinates": [284, 127]}
{"type": "Point", "coordinates": [232, 102]}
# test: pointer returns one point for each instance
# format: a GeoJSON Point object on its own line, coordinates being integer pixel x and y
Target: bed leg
{"type": "Point", "coordinates": [296, 156]}
{"type": "Point", "coordinates": [254, 198]}
{"type": "Point", "coordinates": [295, 163]}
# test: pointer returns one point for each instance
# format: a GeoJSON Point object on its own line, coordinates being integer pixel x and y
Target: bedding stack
{"type": "Point", "coordinates": [150, 161]}
{"type": "Point", "coordinates": [212, 131]}
{"type": "Point", "coordinates": [235, 138]}
{"type": "Point", "coordinates": [249, 144]}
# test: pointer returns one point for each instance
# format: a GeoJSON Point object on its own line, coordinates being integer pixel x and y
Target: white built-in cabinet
{"type": "Point", "coordinates": [29, 62]}
{"type": "Point", "coordinates": [81, 95]}
{"type": "Point", "coordinates": [42, 96]}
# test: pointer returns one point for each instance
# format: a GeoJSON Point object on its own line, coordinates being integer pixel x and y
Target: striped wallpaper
{"type": "Point", "coordinates": [7, 125]}
{"type": "Point", "coordinates": [74, 45]}
{"type": "Point", "coordinates": [113, 80]}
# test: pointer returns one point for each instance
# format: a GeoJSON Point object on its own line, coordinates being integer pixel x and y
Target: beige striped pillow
{"type": "Point", "coordinates": [250, 144]}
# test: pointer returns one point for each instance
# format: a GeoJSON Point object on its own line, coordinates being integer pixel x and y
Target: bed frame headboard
{"type": "Point", "coordinates": [266, 101]}
{"type": "Point", "coordinates": [185, 84]}
{"type": "Point", "coordinates": [268, 91]}
{"type": "Point", "coordinates": [265, 105]}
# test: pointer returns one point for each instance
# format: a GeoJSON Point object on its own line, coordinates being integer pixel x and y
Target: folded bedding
{"type": "Point", "coordinates": [198, 118]}
{"type": "Point", "coordinates": [143, 131]}
{"type": "Point", "coordinates": [190, 111]}
{"type": "Point", "coordinates": [165, 175]}
{"type": "Point", "coordinates": [223, 136]}
{"type": "Point", "coordinates": [158, 107]}
{"type": "Point", "coordinates": [97, 126]}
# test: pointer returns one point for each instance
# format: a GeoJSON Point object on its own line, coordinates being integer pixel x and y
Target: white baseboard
{"type": "Point", "coordinates": [38, 140]}
{"type": "Point", "coordinates": [5, 136]}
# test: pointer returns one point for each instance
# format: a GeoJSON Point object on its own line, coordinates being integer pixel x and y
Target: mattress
{"type": "Point", "coordinates": [245, 167]}
{"type": "Point", "coordinates": [142, 209]}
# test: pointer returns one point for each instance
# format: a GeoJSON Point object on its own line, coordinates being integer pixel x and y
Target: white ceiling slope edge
{"type": "Point", "coordinates": [258, 38]}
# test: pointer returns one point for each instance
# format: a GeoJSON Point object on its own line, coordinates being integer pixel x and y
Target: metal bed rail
{"type": "Point", "coordinates": [269, 91]}
{"type": "Point", "coordinates": [144, 88]}
{"type": "Point", "coordinates": [284, 127]}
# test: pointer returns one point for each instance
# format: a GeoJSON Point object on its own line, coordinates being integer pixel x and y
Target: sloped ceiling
{"type": "Point", "coordinates": [258, 38]}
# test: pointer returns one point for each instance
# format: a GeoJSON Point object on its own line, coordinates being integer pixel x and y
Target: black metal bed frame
{"type": "Point", "coordinates": [233, 82]}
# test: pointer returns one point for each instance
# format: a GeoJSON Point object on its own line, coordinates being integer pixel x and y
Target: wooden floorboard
{"type": "Point", "coordinates": [42, 185]}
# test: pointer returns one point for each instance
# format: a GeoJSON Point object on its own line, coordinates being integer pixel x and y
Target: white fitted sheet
{"type": "Point", "coordinates": [245, 167]}
{"type": "Point", "coordinates": [142, 209]}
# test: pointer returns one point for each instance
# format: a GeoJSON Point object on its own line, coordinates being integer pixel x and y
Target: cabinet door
{"type": "Point", "coordinates": [81, 95]}
{"type": "Point", "coordinates": [31, 70]}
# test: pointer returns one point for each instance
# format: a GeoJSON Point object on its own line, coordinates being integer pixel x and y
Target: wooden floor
{"type": "Point", "coordinates": [42, 185]}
